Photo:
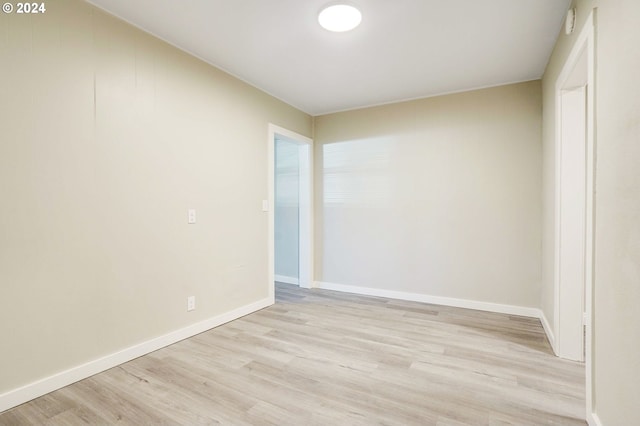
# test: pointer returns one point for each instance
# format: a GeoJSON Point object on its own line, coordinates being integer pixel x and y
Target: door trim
{"type": "Point", "coordinates": [305, 246]}
{"type": "Point", "coordinates": [584, 43]}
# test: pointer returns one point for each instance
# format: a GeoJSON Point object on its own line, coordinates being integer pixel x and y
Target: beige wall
{"type": "Point", "coordinates": [439, 196]}
{"type": "Point", "coordinates": [616, 364]}
{"type": "Point", "coordinates": [617, 266]}
{"type": "Point", "coordinates": [107, 137]}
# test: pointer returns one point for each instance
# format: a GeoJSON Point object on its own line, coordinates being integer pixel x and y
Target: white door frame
{"type": "Point", "coordinates": [584, 43]}
{"type": "Point", "coordinates": [305, 234]}
{"type": "Point", "coordinates": [572, 221]}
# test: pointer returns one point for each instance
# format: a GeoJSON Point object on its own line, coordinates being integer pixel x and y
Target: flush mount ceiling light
{"type": "Point", "coordinates": [339, 18]}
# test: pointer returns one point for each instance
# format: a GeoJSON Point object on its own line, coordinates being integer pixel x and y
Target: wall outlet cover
{"type": "Point", "coordinates": [191, 303]}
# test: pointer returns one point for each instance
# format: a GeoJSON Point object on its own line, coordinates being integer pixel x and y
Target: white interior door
{"type": "Point", "coordinates": [305, 231]}
{"type": "Point", "coordinates": [572, 224]}
{"type": "Point", "coordinates": [302, 186]}
{"type": "Point", "coordinates": [287, 209]}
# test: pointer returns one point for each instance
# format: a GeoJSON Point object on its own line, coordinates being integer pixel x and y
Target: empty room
{"type": "Point", "coordinates": [251, 212]}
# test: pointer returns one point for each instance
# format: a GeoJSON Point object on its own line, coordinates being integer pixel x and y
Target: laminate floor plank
{"type": "Point", "coordinates": [320, 357]}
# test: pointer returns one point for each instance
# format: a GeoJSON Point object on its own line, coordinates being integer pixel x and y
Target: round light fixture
{"type": "Point", "coordinates": [339, 18]}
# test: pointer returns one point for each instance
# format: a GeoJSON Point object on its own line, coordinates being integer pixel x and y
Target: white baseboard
{"type": "Point", "coordinates": [33, 390]}
{"type": "Point", "coordinates": [287, 280]}
{"type": "Point", "coordinates": [594, 420]}
{"type": "Point", "coordinates": [436, 300]}
{"type": "Point", "coordinates": [548, 331]}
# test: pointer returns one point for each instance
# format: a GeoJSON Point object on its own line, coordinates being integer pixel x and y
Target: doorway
{"type": "Point", "coordinates": [291, 208]}
{"type": "Point", "coordinates": [574, 211]}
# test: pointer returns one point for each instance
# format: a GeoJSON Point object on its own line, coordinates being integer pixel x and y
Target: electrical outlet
{"type": "Point", "coordinates": [192, 216]}
{"type": "Point", "coordinates": [191, 303]}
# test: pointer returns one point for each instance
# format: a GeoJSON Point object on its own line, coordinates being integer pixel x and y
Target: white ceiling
{"type": "Point", "coordinates": [404, 49]}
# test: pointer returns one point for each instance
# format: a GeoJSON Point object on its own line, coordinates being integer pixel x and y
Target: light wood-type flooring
{"type": "Point", "coordinates": [319, 357]}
